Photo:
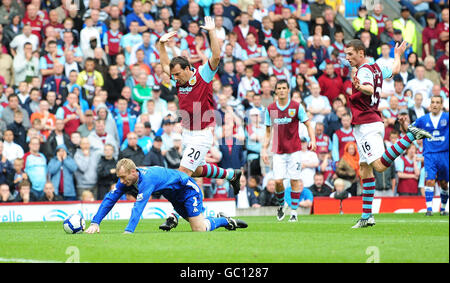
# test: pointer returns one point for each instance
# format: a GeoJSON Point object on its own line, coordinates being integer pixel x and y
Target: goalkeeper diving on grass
{"type": "Point", "coordinates": [177, 187]}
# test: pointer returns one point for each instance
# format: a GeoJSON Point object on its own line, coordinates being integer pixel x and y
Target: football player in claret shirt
{"type": "Point", "coordinates": [195, 94]}
{"type": "Point", "coordinates": [368, 125]}
{"type": "Point", "coordinates": [283, 117]}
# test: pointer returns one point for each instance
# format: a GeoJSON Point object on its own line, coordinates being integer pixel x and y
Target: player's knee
{"type": "Point", "coordinates": [430, 183]}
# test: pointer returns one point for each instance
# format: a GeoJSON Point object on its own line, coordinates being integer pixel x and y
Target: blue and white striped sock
{"type": "Point", "coordinates": [444, 199]}
{"type": "Point", "coordinates": [429, 194]}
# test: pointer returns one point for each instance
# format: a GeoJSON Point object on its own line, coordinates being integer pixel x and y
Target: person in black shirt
{"type": "Point", "coordinates": [320, 189]}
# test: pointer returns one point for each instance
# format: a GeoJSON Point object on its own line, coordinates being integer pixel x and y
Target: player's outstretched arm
{"type": "Point", "coordinates": [399, 50]}
{"type": "Point", "coordinates": [210, 26]}
{"type": "Point", "coordinates": [164, 58]}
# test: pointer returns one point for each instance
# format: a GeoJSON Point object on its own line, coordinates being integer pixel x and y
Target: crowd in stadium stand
{"type": "Point", "coordinates": [81, 86]}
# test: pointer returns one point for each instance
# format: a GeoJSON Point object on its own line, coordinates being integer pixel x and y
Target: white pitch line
{"type": "Point", "coordinates": [24, 260]}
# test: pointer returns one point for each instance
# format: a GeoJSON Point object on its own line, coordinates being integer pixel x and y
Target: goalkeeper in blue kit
{"type": "Point", "coordinates": [177, 187]}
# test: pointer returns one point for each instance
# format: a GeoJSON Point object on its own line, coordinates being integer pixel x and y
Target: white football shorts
{"type": "Point", "coordinates": [370, 140]}
{"type": "Point", "coordinates": [196, 145]}
{"type": "Point", "coordinates": [287, 166]}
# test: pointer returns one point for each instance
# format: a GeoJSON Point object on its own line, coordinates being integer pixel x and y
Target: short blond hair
{"type": "Point", "coordinates": [126, 164]}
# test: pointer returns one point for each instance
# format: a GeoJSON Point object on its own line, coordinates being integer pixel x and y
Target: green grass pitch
{"type": "Point", "coordinates": [315, 238]}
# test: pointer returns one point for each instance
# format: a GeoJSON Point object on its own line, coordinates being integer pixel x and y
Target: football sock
{"type": "Point", "coordinates": [397, 149]}
{"type": "Point", "coordinates": [444, 199]}
{"type": "Point", "coordinates": [295, 198]}
{"type": "Point", "coordinates": [280, 197]}
{"type": "Point", "coordinates": [429, 194]}
{"type": "Point", "coordinates": [213, 223]}
{"type": "Point", "coordinates": [215, 172]}
{"type": "Point", "coordinates": [367, 196]}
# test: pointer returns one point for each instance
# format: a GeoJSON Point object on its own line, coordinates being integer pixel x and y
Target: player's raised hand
{"type": "Point", "coordinates": [93, 228]}
{"type": "Point", "coordinates": [400, 49]}
{"type": "Point", "coordinates": [209, 24]}
{"type": "Point", "coordinates": [166, 37]}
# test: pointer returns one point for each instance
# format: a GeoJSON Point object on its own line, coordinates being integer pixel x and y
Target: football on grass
{"type": "Point", "coordinates": [74, 224]}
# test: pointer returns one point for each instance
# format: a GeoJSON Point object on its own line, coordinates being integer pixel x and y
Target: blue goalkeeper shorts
{"type": "Point", "coordinates": [436, 166]}
{"type": "Point", "coordinates": [188, 201]}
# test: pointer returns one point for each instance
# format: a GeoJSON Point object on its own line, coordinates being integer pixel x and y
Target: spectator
{"type": "Point", "coordinates": [421, 84]}
{"type": "Point", "coordinates": [113, 84]}
{"type": "Point", "coordinates": [340, 190]}
{"type": "Point", "coordinates": [385, 182]}
{"type": "Point", "coordinates": [342, 136]}
{"type": "Point", "coordinates": [133, 151]}
{"type": "Point", "coordinates": [88, 126]}
{"type": "Point", "coordinates": [309, 162]}
{"type": "Point", "coordinates": [154, 157]}
{"type": "Point", "coordinates": [407, 26]}
{"type": "Point", "coordinates": [316, 52]}
{"type": "Point", "coordinates": [430, 72]}
{"type": "Point", "coordinates": [48, 119]}
{"type": "Point", "coordinates": [6, 167]}
{"type": "Point", "coordinates": [267, 196]}
{"type": "Point", "coordinates": [174, 154]}
{"type": "Point", "coordinates": [306, 197]}
{"type": "Point", "coordinates": [5, 194]}
{"type": "Point", "coordinates": [106, 172]}
{"type": "Point", "coordinates": [246, 197]}
{"type": "Point", "coordinates": [331, 84]}
{"type": "Point", "coordinates": [57, 137]}
{"type": "Point", "coordinates": [19, 130]}
{"type": "Point", "coordinates": [417, 110]}
{"type": "Point", "coordinates": [89, 79]}
{"type": "Point", "coordinates": [71, 114]}
{"type": "Point", "coordinates": [25, 65]}
{"type": "Point", "coordinates": [49, 193]}
{"type": "Point", "coordinates": [348, 167]}
{"type": "Point", "coordinates": [19, 175]}
{"type": "Point", "coordinates": [36, 167]}
{"type": "Point", "coordinates": [11, 150]}
{"type": "Point", "coordinates": [138, 17]}
{"type": "Point", "coordinates": [125, 120]}
{"type": "Point", "coordinates": [442, 64]}
{"type": "Point", "coordinates": [320, 188]}
{"type": "Point", "coordinates": [232, 151]}
{"type": "Point", "coordinates": [144, 141]}
{"type": "Point", "coordinates": [408, 172]}
{"type": "Point", "coordinates": [442, 30]}
{"type": "Point", "coordinates": [429, 36]}
{"type": "Point", "coordinates": [317, 8]}
{"type": "Point", "coordinates": [323, 141]}
{"type": "Point", "coordinates": [100, 137]}
{"type": "Point", "coordinates": [61, 169]}
{"type": "Point", "coordinates": [17, 45]}
{"type": "Point", "coordinates": [87, 161]}
{"type": "Point", "coordinates": [6, 67]}
{"type": "Point", "coordinates": [26, 194]}
{"type": "Point", "coordinates": [317, 104]}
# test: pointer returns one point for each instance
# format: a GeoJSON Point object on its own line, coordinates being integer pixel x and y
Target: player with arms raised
{"type": "Point", "coordinates": [435, 152]}
{"type": "Point", "coordinates": [284, 116]}
{"type": "Point", "coordinates": [368, 124]}
{"type": "Point", "coordinates": [194, 90]}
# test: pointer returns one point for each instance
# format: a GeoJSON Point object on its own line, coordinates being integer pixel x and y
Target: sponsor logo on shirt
{"type": "Point", "coordinates": [282, 121]}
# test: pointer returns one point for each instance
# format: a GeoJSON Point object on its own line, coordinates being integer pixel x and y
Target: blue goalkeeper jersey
{"type": "Point", "coordinates": [151, 179]}
{"type": "Point", "coordinates": [439, 142]}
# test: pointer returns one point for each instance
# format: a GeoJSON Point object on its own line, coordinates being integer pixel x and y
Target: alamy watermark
{"type": "Point", "coordinates": [74, 254]}
{"type": "Point", "coordinates": [374, 254]}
